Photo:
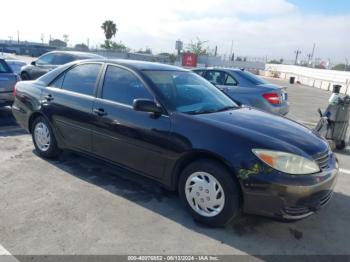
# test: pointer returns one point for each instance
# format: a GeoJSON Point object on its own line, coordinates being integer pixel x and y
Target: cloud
{"type": "Point", "coordinates": [257, 27]}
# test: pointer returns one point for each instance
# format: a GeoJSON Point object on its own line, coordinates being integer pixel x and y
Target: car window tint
{"type": "Point", "coordinates": [61, 59]}
{"type": "Point", "coordinates": [216, 77]}
{"type": "Point", "coordinates": [4, 68]}
{"type": "Point", "coordinates": [122, 86]}
{"type": "Point", "coordinates": [45, 59]}
{"type": "Point", "coordinates": [199, 72]}
{"type": "Point", "coordinates": [230, 81]}
{"type": "Point", "coordinates": [58, 82]}
{"type": "Point", "coordinates": [82, 79]}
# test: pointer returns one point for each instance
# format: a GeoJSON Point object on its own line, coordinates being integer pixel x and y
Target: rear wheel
{"type": "Point", "coordinates": [209, 193]}
{"type": "Point", "coordinates": [25, 76]}
{"type": "Point", "coordinates": [44, 139]}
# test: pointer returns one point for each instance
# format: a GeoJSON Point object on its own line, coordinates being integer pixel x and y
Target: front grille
{"type": "Point", "coordinates": [322, 159]}
{"type": "Point", "coordinates": [326, 199]}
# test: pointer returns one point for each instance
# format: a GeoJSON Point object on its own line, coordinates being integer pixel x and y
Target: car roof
{"type": "Point", "coordinates": [218, 68]}
{"type": "Point", "coordinates": [140, 65]}
{"type": "Point", "coordinates": [77, 54]}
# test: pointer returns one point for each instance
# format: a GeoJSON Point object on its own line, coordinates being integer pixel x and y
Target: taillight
{"type": "Point", "coordinates": [273, 98]}
{"type": "Point", "coordinates": [14, 91]}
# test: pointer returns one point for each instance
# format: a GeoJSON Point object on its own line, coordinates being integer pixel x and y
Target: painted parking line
{"type": "Point", "coordinates": [345, 171]}
{"type": "Point", "coordinates": [4, 251]}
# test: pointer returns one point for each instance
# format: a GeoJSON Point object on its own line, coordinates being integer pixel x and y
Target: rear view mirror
{"type": "Point", "coordinates": [145, 105]}
{"type": "Point", "coordinates": [33, 63]}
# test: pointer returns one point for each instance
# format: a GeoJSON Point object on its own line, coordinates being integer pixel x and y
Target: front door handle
{"type": "Point", "coordinates": [49, 98]}
{"type": "Point", "coordinates": [100, 112]}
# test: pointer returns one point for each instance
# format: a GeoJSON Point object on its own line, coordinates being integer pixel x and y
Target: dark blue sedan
{"type": "Point", "coordinates": [171, 125]}
{"type": "Point", "coordinates": [248, 89]}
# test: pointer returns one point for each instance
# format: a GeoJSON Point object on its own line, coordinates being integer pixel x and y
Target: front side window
{"type": "Point", "coordinates": [4, 68]}
{"type": "Point", "coordinates": [45, 59]}
{"type": "Point", "coordinates": [81, 79]}
{"type": "Point", "coordinates": [122, 86]}
{"type": "Point", "coordinates": [186, 92]}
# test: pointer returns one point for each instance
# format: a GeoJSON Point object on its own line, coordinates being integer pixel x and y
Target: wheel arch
{"type": "Point", "coordinates": [193, 156]}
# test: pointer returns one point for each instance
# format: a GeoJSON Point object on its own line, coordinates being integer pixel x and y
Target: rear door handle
{"type": "Point", "coordinates": [49, 98]}
{"type": "Point", "coordinates": [100, 112]}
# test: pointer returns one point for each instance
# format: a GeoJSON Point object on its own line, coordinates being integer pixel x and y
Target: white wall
{"type": "Point", "coordinates": [318, 78]}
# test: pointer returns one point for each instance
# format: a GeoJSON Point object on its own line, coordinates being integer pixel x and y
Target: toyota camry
{"type": "Point", "coordinates": [171, 125]}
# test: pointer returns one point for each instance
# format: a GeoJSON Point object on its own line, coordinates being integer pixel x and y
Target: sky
{"type": "Point", "coordinates": [257, 28]}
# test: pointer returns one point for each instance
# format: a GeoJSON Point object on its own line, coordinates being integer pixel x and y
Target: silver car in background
{"type": "Point", "coordinates": [248, 89]}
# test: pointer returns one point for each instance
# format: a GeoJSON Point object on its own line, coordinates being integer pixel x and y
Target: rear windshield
{"type": "Point", "coordinates": [4, 68]}
{"type": "Point", "coordinates": [251, 78]}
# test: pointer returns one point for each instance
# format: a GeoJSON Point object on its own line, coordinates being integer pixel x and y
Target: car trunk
{"type": "Point", "coordinates": [7, 82]}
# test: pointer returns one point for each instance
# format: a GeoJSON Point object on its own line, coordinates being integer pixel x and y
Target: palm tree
{"type": "Point", "coordinates": [109, 28]}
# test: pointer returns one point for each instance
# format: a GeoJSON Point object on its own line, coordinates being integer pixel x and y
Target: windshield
{"type": "Point", "coordinates": [252, 78]}
{"type": "Point", "coordinates": [186, 92]}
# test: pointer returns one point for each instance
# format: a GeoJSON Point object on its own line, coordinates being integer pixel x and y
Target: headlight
{"type": "Point", "coordinates": [286, 162]}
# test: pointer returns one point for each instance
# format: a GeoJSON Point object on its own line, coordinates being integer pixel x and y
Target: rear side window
{"type": "Point", "coordinates": [4, 68]}
{"type": "Point", "coordinates": [81, 79]}
{"type": "Point", "coordinates": [122, 86]}
{"type": "Point", "coordinates": [61, 59]}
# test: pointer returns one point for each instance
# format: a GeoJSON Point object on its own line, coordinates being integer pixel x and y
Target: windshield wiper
{"type": "Point", "coordinates": [198, 112]}
{"type": "Point", "coordinates": [225, 108]}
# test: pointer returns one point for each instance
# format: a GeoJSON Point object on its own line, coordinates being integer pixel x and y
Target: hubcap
{"type": "Point", "coordinates": [204, 194]}
{"type": "Point", "coordinates": [42, 136]}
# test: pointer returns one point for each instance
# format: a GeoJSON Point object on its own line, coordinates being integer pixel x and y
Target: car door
{"type": "Point", "coordinates": [42, 65]}
{"type": "Point", "coordinates": [68, 102]}
{"type": "Point", "coordinates": [136, 140]}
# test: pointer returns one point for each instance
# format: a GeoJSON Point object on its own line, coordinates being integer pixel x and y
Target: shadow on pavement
{"type": "Point", "coordinates": [323, 233]}
{"type": "Point", "coordinates": [8, 125]}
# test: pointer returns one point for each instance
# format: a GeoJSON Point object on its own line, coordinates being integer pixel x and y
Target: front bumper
{"type": "Point", "coordinates": [289, 197]}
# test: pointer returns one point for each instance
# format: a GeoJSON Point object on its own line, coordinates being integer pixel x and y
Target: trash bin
{"type": "Point", "coordinates": [292, 79]}
{"type": "Point", "coordinates": [336, 89]}
{"type": "Point", "coordinates": [334, 121]}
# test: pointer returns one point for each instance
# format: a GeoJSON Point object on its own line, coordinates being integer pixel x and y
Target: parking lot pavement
{"type": "Point", "coordinates": [75, 205]}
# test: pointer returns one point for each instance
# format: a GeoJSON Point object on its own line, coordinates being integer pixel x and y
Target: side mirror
{"type": "Point", "coordinates": [33, 63]}
{"type": "Point", "coordinates": [145, 105]}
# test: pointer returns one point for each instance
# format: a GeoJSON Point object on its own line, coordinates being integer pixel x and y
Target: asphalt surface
{"type": "Point", "coordinates": [75, 205]}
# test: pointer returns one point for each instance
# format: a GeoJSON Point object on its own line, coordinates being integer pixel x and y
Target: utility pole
{"type": "Point", "coordinates": [297, 53]}
{"type": "Point", "coordinates": [42, 38]}
{"type": "Point", "coordinates": [17, 36]}
{"type": "Point", "coordinates": [346, 64]}
{"type": "Point", "coordinates": [216, 50]}
{"type": "Point", "coordinates": [88, 43]}
{"type": "Point", "coordinates": [231, 50]}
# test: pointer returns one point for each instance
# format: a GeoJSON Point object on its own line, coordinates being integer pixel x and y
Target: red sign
{"type": "Point", "coordinates": [189, 60]}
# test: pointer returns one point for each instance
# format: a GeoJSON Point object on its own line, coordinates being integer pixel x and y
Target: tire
{"type": "Point", "coordinates": [25, 76]}
{"type": "Point", "coordinates": [340, 144]}
{"type": "Point", "coordinates": [212, 173]}
{"type": "Point", "coordinates": [45, 145]}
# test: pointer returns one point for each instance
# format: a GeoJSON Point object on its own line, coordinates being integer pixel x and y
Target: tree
{"type": "Point", "coordinates": [198, 47]}
{"type": "Point", "coordinates": [66, 38]}
{"type": "Point", "coordinates": [111, 45]}
{"type": "Point", "coordinates": [81, 47]}
{"type": "Point", "coordinates": [341, 67]}
{"type": "Point", "coordinates": [109, 28]}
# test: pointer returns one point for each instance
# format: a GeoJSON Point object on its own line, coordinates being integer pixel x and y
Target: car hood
{"type": "Point", "coordinates": [267, 131]}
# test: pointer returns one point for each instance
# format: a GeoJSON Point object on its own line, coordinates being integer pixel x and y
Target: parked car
{"type": "Point", "coordinates": [248, 89]}
{"type": "Point", "coordinates": [8, 79]}
{"type": "Point", "coordinates": [52, 60]}
{"type": "Point", "coordinates": [175, 127]}
{"type": "Point", "coordinates": [16, 65]}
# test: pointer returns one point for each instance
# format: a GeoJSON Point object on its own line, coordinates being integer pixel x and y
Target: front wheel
{"type": "Point", "coordinates": [44, 139]}
{"type": "Point", "coordinates": [210, 193]}
{"type": "Point", "coordinates": [25, 76]}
